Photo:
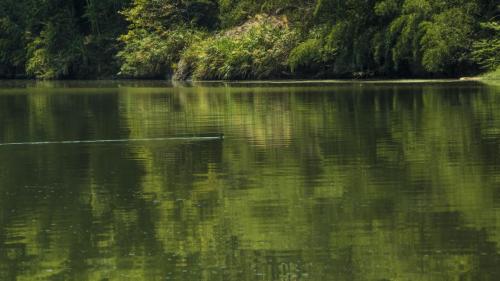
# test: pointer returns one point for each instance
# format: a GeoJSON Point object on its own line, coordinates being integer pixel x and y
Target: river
{"type": "Point", "coordinates": [249, 181]}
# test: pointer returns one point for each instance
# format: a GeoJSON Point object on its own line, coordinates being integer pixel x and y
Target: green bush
{"type": "Point", "coordinates": [190, 57]}
{"type": "Point", "coordinates": [486, 51]}
{"type": "Point", "coordinates": [447, 41]}
{"type": "Point", "coordinates": [153, 54]}
{"type": "Point", "coordinates": [256, 50]}
{"type": "Point", "coordinates": [57, 52]}
{"type": "Point", "coordinates": [236, 12]}
{"type": "Point", "coordinates": [315, 54]}
{"type": "Point", "coordinates": [493, 75]}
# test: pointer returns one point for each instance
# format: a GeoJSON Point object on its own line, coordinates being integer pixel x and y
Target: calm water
{"type": "Point", "coordinates": [312, 182]}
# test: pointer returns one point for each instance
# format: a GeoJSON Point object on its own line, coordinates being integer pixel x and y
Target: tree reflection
{"type": "Point", "coordinates": [338, 182]}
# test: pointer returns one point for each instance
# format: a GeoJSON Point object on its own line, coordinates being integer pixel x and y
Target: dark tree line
{"type": "Point", "coordinates": [59, 38]}
{"type": "Point", "coordinates": [247, 39]}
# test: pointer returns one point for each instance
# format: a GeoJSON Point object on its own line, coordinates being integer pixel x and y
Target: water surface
{"type": "Point", "coordinates": [312, 181]}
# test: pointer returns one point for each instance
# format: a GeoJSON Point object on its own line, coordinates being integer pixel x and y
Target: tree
{"type": "Point", "coordinates": [486, 50]}
{"type": "Point", "coordinates": [159, 31]}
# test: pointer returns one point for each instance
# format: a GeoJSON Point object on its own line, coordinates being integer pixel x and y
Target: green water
{"type": "Point", "coordinates": [312, 181]}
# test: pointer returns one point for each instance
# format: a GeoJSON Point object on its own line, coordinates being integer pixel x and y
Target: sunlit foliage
{"type": "Point", "coordinates": [159, 31]}
{"type": "Point", "coordinates": [314, 55]}
{"type": "Point", "coordinates": [487, 50]}
{"type": "Point", "coordinates": [256, 50]}
{"type": "Point", "coordinates": [332, 38]}
{"type": "Point", "coordinates": [152, 54]}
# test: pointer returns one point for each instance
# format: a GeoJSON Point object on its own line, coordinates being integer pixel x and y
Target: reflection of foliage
{"type": "Point", "coordinates": [383, 181]}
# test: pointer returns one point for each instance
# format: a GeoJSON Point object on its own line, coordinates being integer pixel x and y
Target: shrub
{"type": "Point", "coordinates": [257, 49]}
{"type": "Point", "coordinates": [149, 54]}
{"type": "Point", "coordinates": [57, 52]}
{"type": "Point", "coordinates": [447, 40]}
{"type": "Point", "coordinates": [486, 52]}
{"type": "Point", "coordinates": [493, 75]}
{"type": "Point", "coordinates": [315, 54]}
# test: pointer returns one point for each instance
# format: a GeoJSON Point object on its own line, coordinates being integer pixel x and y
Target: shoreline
{"type": "Point", "coordinates": [6, 84]}
{"type": "Point", "coordinates": [270, 81]}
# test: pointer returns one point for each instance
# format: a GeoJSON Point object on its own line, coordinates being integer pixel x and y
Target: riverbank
{"type": "Point", "coordinates": [247, 40]}
{"type": "Point", "coordinates": [491, 78]}
{"type": "Point", "coordinates": [163, 86]}
{"type": "Point", "coordinates": [493, 75]}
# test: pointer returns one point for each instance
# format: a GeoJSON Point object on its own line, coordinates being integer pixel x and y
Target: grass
{"type": "Point", "coordinates": [493, 75]}
{"type": "Point", "coordinates": [492, 78]}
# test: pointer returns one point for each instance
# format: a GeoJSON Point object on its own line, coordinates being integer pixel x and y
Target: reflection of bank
{"type": "Point", "coordinates": [216, 137]}
{"type": "Point", "coordinates": [362, 184]}
{"type": "Point", "coordinates": [273, 265]}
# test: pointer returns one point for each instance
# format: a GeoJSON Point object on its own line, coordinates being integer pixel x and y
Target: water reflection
{"type": "Point", "coordinates": [312, 182]}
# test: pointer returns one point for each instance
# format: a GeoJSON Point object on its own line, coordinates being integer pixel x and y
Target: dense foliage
{"type": "Point", "coordinates": [58, 38]}
{"type": "Point", "coordinates": [248, 39]}
{"type": "Point", "coordinates": [256, 50]}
